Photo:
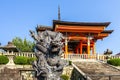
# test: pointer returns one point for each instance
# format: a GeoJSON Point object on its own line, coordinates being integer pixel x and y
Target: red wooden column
{"type": "Point", "coordinates": [88, 45]}
{"type": "Point", "coordinates": [66, 47]}
{"type": "Point", "coordinates": [93, 50]}
{"type": "Point", "coordinates": [76, 50]}
{"type": "Point", "coordinates": [80, 46]}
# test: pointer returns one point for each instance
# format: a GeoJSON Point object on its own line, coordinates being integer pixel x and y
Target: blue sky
{"type": "Point", "coordinates": [17, 17]}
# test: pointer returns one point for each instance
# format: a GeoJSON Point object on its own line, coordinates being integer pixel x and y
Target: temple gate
{"type": "Point", "coordinates": [80, 37]}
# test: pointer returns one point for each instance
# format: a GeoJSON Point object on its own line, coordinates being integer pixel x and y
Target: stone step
{"type": "Point", "coordinates": [98, 71]}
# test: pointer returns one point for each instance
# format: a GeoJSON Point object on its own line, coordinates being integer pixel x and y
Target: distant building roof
{"type": "Point", "coordinates": [43, 28]}
{"type": "Point", "coordinates": [118, 54]}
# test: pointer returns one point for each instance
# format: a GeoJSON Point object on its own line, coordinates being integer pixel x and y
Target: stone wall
{"type": "Point", "coordinates": [9, 74]}
{"type": "Point", "coordinates": [76, 75]}
{"type": "Point", "coordinates": [27, 75]}
{"type": "Point", "coordinates": [26, 72]}
{"type": "Point", "coordinates": [18, 73]}
{"type": "Point", "coordinates": [67, 70]}
{"type": "Point", "coordinates": [73, 73]}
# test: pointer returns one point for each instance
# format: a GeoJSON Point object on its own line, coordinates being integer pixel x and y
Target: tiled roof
{"type": "Point", "coordinates": [80, 23]}
{"type": "Point", "coordinates": [108, 31]}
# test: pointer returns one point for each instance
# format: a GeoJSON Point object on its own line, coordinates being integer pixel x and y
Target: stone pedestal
{"type": "Point", "coordinates": [10, 57]}
{"type": "Point", "coordinates": [10, 64]}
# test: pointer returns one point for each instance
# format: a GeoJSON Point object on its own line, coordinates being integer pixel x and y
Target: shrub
{"type": "Point", "coordinates": [30, 60]}
{"type": "Point", "coordinates": [4, 59]}
{"type": "Point", "coordinates": [70, 62]}
{"type": "Point", "coordinates": [115, 62]}
{"type": "Point", "coordinates": [21, 60]}
{"type": "Point", "coordinates": [64, 77]}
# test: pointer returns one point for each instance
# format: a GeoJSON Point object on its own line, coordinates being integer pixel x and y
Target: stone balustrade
{"type": "Point", "coordinates": [100, 57]}
{"type": "Point", "coordinates": [26, 54]}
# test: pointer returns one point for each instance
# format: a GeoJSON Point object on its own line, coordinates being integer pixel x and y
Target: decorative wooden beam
{"type": "Point", "coordinates": [76, 38]}
{"type": "Point", "coordinates": [82, 31]}
{"type": "Point", "coordinates": [80, 28]}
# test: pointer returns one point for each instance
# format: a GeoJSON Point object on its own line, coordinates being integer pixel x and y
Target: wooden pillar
{"type": "Point", "coordinates": [94, 49]}
{"type": "Point", "coordinates": [80, 46]}
{"type": "Point", "coordinates": [66, 47]}
{"type": "Point", "coordinates": [76, 50]}
{"type": "Point", "coordinates": [88, 45]}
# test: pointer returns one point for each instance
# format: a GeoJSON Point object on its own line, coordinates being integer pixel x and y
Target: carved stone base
{"type": "Point", "coordinates": [10, 64]}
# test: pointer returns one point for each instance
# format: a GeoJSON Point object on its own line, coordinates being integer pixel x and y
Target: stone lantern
{"type": "Point", "coordinates": [10, 48]}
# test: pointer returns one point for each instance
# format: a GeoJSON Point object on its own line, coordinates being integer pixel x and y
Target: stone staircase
{"type": "Point", "coordinates": [98, 70]}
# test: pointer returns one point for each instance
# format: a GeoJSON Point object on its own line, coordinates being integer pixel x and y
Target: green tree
{"type": "Point", "coordinates": [23, 45]}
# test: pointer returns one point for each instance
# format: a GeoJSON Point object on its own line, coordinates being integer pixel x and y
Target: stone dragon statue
{"type": "Point", "coordinates": [48, 50]}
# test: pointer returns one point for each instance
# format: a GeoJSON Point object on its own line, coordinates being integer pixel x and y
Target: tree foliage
{"type": "Point", "coordinates": [23, 45]}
